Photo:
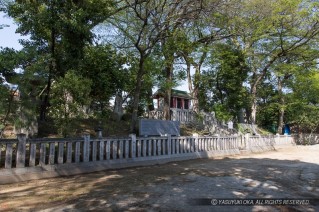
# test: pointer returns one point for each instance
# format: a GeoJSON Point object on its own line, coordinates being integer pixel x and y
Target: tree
{"type": "Point", "coordinates": [196, 39]}
{"type": "Point", "coordinates": [104, 67]}
{"type": "Point", "coordinates": [3, 6]}
{"type": "Point", "coordinates": [302, 108]}
{"type": "Point", "coordinates": [58, 30]}
{"type": "Point", "coordinates": [141, 25]}
{"type": "Point", "coordinates": [69, 95]}
{"type": "Point", "coordinates": [221, 86]}
{"type": "Point", "coordinates": [267, 31]}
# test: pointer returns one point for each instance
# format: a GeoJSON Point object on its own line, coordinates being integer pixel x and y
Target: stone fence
{"type": "Point", "coordinates": [24, 159]}
{"type": "Point", "coordinates": [307, 139]}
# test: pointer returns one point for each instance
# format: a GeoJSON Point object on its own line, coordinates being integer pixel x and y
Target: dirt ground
{"type": "Point", "coordinates": [290, 173]}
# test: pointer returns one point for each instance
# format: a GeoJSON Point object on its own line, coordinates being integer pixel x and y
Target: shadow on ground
{"type": "Point", "coordinates": [172, 186]}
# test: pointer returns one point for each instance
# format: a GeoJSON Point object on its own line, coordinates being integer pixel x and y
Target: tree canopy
{"type": "Point", "coordinates": [82, 57]}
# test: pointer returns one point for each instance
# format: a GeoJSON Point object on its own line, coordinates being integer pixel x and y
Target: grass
{"type": "Point", "coordinates": [48, 129]}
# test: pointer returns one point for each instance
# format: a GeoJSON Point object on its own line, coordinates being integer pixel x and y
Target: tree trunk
{"type": "Point", "coordinates": [168, 90]}
{"type": "Point", "coordinates": [52, 69]}
{"type": "Point", "coordinates": [150, 104]}
{"type": "Point", "coordinates": [281, 111]}
{"type": "Point", "coordinates": [136, 100]}
{"type": "Point", "coordinates": [189, 78]}
{"type": "Point", "coordinates": [253, 104]}
{"type": "Point", "coordinates": [196, 89]}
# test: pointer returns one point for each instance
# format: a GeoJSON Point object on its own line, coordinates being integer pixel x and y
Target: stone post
{"type": "Point", "coordinates": [247, 143]}
{"type": "Point", "coordinates": [169, 144]}
{"type": "Point", "coordinates": [21, 150]}
{"type": "Point", "coordinates": [86, 148]}
{"type": "Point", "coordinates": [196, 145]}
{"type": "Point", "coordinates": [133, 146]}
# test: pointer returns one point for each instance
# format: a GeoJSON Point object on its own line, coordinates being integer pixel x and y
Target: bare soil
{"type": "Point", "coordinates": [290, 173]}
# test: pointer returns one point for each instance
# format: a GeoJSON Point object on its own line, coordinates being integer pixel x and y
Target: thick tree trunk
{"type": "Point", "coordinates": [136, 100]}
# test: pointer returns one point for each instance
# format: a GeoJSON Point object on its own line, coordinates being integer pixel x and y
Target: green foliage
{"type": "Point", "coordinates": [70, 95]}
{"type": "Point", "coordinates": [61, 29]}
{"type": "Point", "coordinates": [244, 53]}
{"type": "Point", "coordinates": [221, 87]}
{"type": "Point", "coordinates": [267, 111]}
{"type": "Point", "coordinates": [222, 112]}
{"type": "Point", "coordinates": [104, 67]}
{"type": "Point", "coordinates": [303, 109]}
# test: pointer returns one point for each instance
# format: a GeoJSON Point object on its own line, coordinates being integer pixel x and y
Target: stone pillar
{"type": "Point", "coordinates": [196, 145]}
{"type": "Point", "coordinates": [169, 144]}
{"type": "Point", "coordinates": [247, 142]}
{"type": "Point", "coordinates": [133, 146]}
{"type": "Point", "coordinates": [86, 148]}
{"type": "Point", "coordinates": [174, 114]}
{"type": "Point", "coordinates": [21, 150]}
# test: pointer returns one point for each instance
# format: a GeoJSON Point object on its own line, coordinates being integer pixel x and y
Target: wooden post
{"type": "Point", "coordinates": [21, 150]}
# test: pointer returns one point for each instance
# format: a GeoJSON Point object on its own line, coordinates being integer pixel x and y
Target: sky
{"type": "Point", "coordinates": [8, 38]}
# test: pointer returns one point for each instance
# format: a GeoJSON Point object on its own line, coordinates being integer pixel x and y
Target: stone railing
{"type": "Point", "coordinates": [182, 115]}
{"type": "Point", "coordinates": [265, 143]}
{"type": "Point", "coordinates": [307, 139]}
{"type": "Point", "coordinates": [25, 159]}
{"type": "Point", "coordinates": [155, 114]}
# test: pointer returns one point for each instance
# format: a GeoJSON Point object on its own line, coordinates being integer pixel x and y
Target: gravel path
{"type": "Point", "coordinates": [290, 173]}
